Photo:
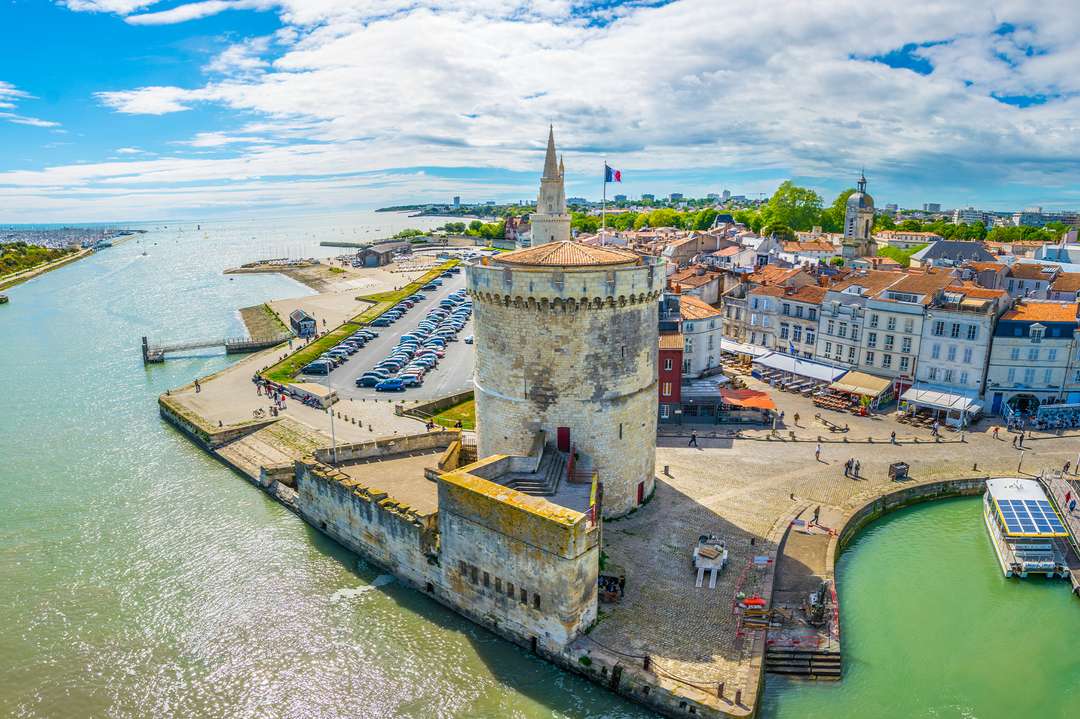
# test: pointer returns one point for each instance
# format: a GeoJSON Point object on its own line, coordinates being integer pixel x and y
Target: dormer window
{"type": "Point", "coordinates": [1036, 332]}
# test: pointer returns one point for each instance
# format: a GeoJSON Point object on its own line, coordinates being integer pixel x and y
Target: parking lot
{"type": "Point", "coordinates": [453, 373]}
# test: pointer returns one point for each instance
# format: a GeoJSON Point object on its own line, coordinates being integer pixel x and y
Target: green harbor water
{"type": "Point", "coordinates": [139, 577]}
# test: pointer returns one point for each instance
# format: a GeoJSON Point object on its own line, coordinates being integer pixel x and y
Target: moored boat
{"type": "Point", "coordinates": [1025, 529]}
{"type": "Point", "coordinates": [3, 299]}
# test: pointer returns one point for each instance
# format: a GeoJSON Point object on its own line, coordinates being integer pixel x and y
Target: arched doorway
{"type": "Point", "coordinates": [1023, 404]}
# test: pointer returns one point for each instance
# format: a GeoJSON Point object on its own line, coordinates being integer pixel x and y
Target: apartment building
{"type": "Point", "coordinates": [702, 328]}
{"type": "Point", "coordinates": [1033, 350]}
{"type": "Point", "coordinates": [843, 308]}
{"type": "Point", "coordinates": [956, 338]}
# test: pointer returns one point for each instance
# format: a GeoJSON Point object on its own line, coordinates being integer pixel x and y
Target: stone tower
{"type": "Point", "coordinates": [566, 344]}
{"type": "Point", "coordinates": [550, 222]}
{"type": "Point", "coordinates": [858, 222]}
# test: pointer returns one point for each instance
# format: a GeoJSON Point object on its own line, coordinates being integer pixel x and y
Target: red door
{"type": "Point", "coordinates": [640, 492]}
{"type": "Point", "coordinates": [562, 437]}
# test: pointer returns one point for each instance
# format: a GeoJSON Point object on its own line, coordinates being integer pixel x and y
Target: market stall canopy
{"type": "Point", "coordinates": [941, 400]}
{"type": "Point", "coordinates": [862, 384]}
{"type": "Point", "coordinates": [741, 349]}
{"type": "Point", "coordinates": [747, 398]}
{"type": "Point", "coordinates": [799, 366]}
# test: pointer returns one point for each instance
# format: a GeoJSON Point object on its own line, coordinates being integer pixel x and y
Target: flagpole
{"type": "Point", "coordinates": [603, 208]}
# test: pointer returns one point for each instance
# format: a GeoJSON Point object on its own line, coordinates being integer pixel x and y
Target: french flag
{"type": "Point", "coordinates": [611, 174]}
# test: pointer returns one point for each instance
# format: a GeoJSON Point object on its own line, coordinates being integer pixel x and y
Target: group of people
{"type": "Point", "coordinates": [851, 468]}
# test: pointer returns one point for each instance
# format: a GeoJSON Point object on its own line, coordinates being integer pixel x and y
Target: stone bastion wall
{"type": "Point", "coordinates": [573, 348]}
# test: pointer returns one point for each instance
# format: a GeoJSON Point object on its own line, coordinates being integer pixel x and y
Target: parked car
{"type": "Point", "coordinates": [469, 340]}
{"type": "Point", "coordinates": [370, 379]}
{"type": "Point", "coordinates": [319, 367]}
{"type": "Point", "coordinates": [390, 385]}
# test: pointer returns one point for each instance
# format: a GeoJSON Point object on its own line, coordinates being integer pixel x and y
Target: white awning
{"type": "Point", "coordinates": [741, 349]}
{"type": "Point", "coordinates": [799, 366]}
{"type": "Point", "coordinates": [937, 399]}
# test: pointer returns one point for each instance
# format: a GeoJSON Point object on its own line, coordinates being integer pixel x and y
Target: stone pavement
{"type": "Point", "coordinates": [742, 489]}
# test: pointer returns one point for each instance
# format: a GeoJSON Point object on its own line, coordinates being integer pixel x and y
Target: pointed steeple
{"type": "Point", "coordinates": [562, 168]}
{"type": "Point", "coordinates": [862, 181]}
{"type": "Point", "coordinates": [550, 168]}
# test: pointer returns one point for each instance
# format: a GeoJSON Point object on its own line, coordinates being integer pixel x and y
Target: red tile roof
{"type": "Point", "coordinates": [693, 308]}
{"type": "Point", "coordinates": [1042, 312]}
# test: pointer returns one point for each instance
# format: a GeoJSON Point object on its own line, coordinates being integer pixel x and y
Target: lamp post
{"type": "Point", "coordinates": [330, 409]}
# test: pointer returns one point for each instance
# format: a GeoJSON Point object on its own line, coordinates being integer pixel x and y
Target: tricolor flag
{"type": "Point", "coordinates": [611, 174]}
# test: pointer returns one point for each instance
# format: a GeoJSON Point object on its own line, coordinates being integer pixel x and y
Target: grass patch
{"type": "Point", "coordinates": [337, 270]}
{"type": "Point", "coordinates": [585, 661]}
{"type": "Point", "coordinates": [466, 412]}
{"type": "Point", "coordinates": [285, 370]}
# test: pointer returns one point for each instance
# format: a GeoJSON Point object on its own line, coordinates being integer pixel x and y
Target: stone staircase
{"type": "Point", "coordinates": [545, 481]}
{"type": "Point", "coordinates": [272, 447]}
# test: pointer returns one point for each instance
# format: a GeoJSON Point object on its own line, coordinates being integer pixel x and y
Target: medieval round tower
{"type": "Point", "coordinates": [566, 344]}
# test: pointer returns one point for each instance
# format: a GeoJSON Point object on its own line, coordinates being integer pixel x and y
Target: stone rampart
{"type": "Point", "coordinates": [386, 446]}
{"type": "Point", "coordinates": [202, 432]}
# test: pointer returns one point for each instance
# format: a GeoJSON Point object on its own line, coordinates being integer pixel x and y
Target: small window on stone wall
{"type": "Point", "coordinates": [498, 584]}
{"type": "Point", "coordinates": [463, 566]}
{"type": "Point", "coordinates": [536, 601]}
{"type": "Point", "coordinates": [487, 579]}
{"type": "Point", "coordinates": [510, 589]}
{"type": "Point", "coordinates": [472, 574]}
{"type": "Point", "coordinates": [524, 596]}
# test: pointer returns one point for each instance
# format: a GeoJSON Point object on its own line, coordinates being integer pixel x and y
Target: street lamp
{"type": "Point", "coordinates": [330, 409]}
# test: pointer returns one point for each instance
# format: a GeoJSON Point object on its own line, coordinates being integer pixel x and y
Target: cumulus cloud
{"type": "Point", "coordinates": [10, 96]}
{"type": "Point", "coordinates": [354, 86]}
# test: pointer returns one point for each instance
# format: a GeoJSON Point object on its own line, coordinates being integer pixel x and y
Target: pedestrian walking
{"type": "Point", "coordinates": [1020, 439]}
{"type": "Point", "coordinates": [781, 415]}
{"type": "Point", "coordinates": [817, 452]}
{"type": "Point", "coordinates": [1014, 441]}
{"type": "Point", "coordinates": [817, 514]}
{"type": "Point", "coordinates": [847, 468]}
{"type": "Point", "coordinates": [858, 468]}
{"type": "Point", "coordinates": [198, 387]}
{"type": "Point", "coordinates": [996, 428]}
{"type": "Point", "coordinates": [892, 437]}
{"type": "Point", "coordinates": [693, 439]}
{"type": "Point", "coordinates": [1065, 469]}
{"type": "Point", "coordinates": [796, 418]}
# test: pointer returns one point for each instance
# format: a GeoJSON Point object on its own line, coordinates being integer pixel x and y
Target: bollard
{"type": "Point", "coordinates": [646, 662]}
{"type": "Point", "coordinates": [975, 467]}
{"type": "Point", "coordinates": [792, 435]}
{"type": "Point", "coordinates": [720, 690]}
{"type": "Point", "coordinates": [738, 697]}
{"type": "Point", "coordinates": [667, 473]}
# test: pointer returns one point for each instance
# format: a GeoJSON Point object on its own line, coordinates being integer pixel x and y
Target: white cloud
{"type": "Point", "coordinates": [9, 98]}
{"type": "Point", "coordinates": [353, 86]}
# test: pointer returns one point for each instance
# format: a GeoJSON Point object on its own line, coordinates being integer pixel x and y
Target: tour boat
{"type": "Point", "coordinates": [1025, 529]}
{"type": "Point", "coordinates": [3, 299]}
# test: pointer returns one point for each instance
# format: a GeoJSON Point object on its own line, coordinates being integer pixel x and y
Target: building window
{"type": "Point", "coordinates": [935, 351]}
{"type": "Point", "coordinates": [524, 596]}
{"type": "Point", "coordinates": [784, 330]}
{"type": "Point", "coordinates": [854, 333]}
{"type": "Point", "coordinates": [665, 411]}
{"type": "Point", "coordinates": [955, 330]}
{"type": "Point", "coordinates": [536, 600]}
{"type": "Point", "coordinates": [786, 309]}
{"type": "Point", "coordinates": [668, 364]}
{"type": "Point", "coordinates": [869, 358]}
{"type": "Point", "coordinates": [1047, 375]}
{"type": "Point", "coordinates": [964, 378]}
{"type": "Point", "coordinates": [1036, 334]}
{"type": "Point", "coordinates": [890, 324]}
{"type": "Point", "coordinates": [909, 325]}
{"type": "Point", "coordinates": [1051, 355]}
{"type": "Point", "coordinates": [686, 366]}
{"type": "Point", "coordinates": [829, 328]}
{"type": "Point", "coordinates": [951, 355]}
{"type": "Point", "coordinates": [710, 342]}
{"type": "Point", "coordinates": [473, 574]}
{"type": "Point", "coordinates": [796, 333]}
{"type": "Point", "coordinates": [688, 345]}
{"type": "Point", "coordinates": [874, 320]}
{"type": "Point", "coordinates": [886, 361]}
{"type": "Point", "coordinates": [904, 364]}
{"type": "Point", "coordinates": [905, 344]}
{"type": "Point", "coordinates": [973, 332]}
{"type": "Point", "coordinates": [932, 374]}
{"type": "Point", "coordinates": [948, 376]}
{"type": "Point", "coordinates": [689, 327]}
{"type": "Point", "coordinates": [798, 311]}
{"type": "Point", "coordinates": [1029, 376]}
{"type": "Point", "coordinates": [843, 330]}
{"type": "Point", "coordinates": [889, 341]}
{"type": "Point", "coordinates": [1014, 353]}
{"type": "Point", "coordinates": [871, 339]}
{"type": "Point", "coordinates": [510, 589]}
{"type": "Point", "coordinates": [665, 389]}
{"type": "Point", "coordinates": [828, 348]}
{"type": "Point", "coordinates": [939, 328]}
{"type": "Point", "coordinates": [809, 336]}
{"type": "Point", "coordinates": [813, 313]}
{"type": "Point", "coordinates": [1012, 375]}
{"type": "Point", "coordinates": [1033, 354]}
{"type": "Point", "coordinates": [487, 579]}
{"type": "Point", "coordinates": [967, 355]}
{"type": "Point", "coordinates": [851, 354]}
{"type": "Point", "coordinates": [753, 338]}
{"type": "Point", "coordinates": [463, 566]}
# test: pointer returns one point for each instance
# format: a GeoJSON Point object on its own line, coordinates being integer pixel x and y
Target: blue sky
{"type": "Point", "coordinates": [130, 109]}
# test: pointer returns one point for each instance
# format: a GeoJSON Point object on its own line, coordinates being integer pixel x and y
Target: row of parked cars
{"type": "Point", "coordinates": [333, 358]}
{"type": "Point", "coordinates": [419, 351]}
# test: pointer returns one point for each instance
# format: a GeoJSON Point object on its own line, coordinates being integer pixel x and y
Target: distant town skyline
{"type": "Point", "coordinates": [232, 107]}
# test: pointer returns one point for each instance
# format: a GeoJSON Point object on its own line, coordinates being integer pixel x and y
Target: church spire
{"type": "Point", "coordinates": [562, 168]}
{"type": "Point", "coordinates": [550, 168]}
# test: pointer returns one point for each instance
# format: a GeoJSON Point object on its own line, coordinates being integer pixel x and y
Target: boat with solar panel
{"type": "Point", "coordinates": [1027, 532]}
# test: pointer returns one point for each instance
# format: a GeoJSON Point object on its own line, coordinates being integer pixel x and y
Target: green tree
{"type": "Point", "coordinates": [474, 227]}
{"type": "Point", "coordinates": [794, 206]}
{"type": "Point", "coordinates": [782, 232]}
{"type": "Point", "coordinates": [832, 217]}
{"type": "Point", "coordinates": [884, 222]}
{"type": "Point", "coordinates": [703, 219]}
